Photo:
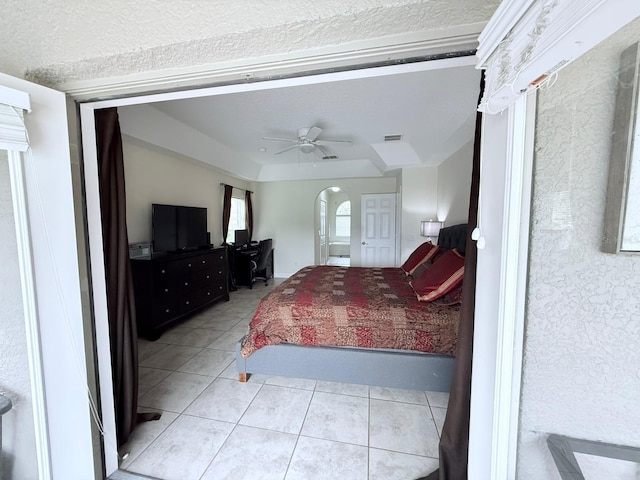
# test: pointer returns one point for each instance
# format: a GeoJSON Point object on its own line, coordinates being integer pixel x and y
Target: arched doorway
{"type": "Point", "coordinates": [333, 227]}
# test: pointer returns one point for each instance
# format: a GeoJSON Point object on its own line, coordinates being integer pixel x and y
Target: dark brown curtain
{"type": "Point", "coordinates": [249, 212]}
{"type": "Point", "coordinates": [226, 212]}
{"type": "Point", "coordinates": [120, 300]}
{"type": "Point", "coordinates": [454, 442]}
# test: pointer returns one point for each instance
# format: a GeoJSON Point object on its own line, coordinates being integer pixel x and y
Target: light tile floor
{"type": "Point", "coordinates": [214, 427]}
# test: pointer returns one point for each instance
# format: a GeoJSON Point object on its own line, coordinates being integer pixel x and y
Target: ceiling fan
{"type": "Point", "coordinates": [307, 141]}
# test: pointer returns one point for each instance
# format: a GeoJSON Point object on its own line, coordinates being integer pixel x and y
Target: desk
{"type": "Point", "coordinates": [242, 264]}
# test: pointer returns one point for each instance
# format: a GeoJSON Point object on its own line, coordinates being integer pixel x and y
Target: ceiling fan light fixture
{"type": "Point", "coordinates": [307, 148]}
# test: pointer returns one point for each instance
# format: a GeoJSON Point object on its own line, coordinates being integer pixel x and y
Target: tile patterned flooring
{"type": "Point", "coordinates": [214, 427]}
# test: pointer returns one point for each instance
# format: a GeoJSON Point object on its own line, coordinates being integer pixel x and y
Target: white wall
{"type": "Point", "coordinates": [286, 213]}
{"type": "Point", "coordinates": [454, 186]}
{"type": "Point", "coordinates": [18, 454]}
{"type": "Point", "coordinates": [419, 202]}
{"type": "Point", "coordinates": [153, 175]}
{"type": "Point", "coordinates": [582, 342]}
{"type": "Point", "coordinates": [435, 193]}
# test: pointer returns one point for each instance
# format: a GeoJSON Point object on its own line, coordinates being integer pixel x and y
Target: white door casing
{"type": "Point", "coordinates": [378, 230]}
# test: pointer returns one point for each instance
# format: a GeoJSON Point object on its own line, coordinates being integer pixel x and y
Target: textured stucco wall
{"type": "Point", "coordinates": [18, 454]}
{"type": "Point", "coordinates": [582, 345]}
{"type": "Point", "coordinates": [59, 40]}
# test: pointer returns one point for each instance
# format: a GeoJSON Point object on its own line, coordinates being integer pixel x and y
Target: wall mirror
{"type": "Point", "coordinates": [622, 211]}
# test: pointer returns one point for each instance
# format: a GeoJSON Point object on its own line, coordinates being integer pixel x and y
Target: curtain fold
{"type": "Point", "coordinates": [120, 299]}
{"type": "Point", "coordinates": [454, 441]}
{"type": "Point", "coordinates": [249, 213]}
{"type": "Point", "coordinates": [226, 212]}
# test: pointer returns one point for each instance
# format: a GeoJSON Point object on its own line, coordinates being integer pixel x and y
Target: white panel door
{"type": "Point", "coordinates": [378, 230]}
{"type": "Point", "coordinates": [47, 249]}
{"type": "Point", "coordinates": [323, 233]}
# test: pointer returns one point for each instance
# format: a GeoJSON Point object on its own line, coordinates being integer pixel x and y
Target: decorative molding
{"type": "Point", "coordinates": [513, 283]}
{"type": "Point", "coordinates": [547, 36]}
{"type": "Point", "coordinates": [30, 312]}
{"type": "Point", "coordinates": [385, 50]}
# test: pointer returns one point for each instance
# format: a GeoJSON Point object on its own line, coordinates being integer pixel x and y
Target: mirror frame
{"type": "Point", "coordinates": [620, 188]}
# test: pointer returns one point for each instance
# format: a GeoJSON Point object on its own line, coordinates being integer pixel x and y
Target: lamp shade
{"type": "Point", "coordinates": [430, 228]}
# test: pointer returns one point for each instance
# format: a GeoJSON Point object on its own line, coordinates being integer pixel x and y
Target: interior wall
{"type": "Point", "coordinates": [454, 186]}
{"type": "Point", "coordinates": [153, 175]}
{"type": "Point", "coordinates": [286, 214]}
{"type": "Point", "coordinates": [582, 341]}
{"type": "Point", "coordinates": [18, 452]}
{"type": "Point", "coordinates": [419, 202]}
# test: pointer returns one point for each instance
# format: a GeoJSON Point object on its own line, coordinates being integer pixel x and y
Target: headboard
{"type": "Point", "coordinates": [454, 237]}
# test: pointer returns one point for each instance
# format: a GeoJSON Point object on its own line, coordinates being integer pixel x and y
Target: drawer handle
{"type": "Point", "coordinates": [167, 310]}
{"type": "Point", "coordinates": [204, 261]}
{"type": "Point", "coordinates": [208, 293]}
{"type": "Point", "coordinates": [186, 283]}
{"type": "Point", "coordinates": [162, 271]}
{"type": "Point", "coordinates": [187, 302]}
{"type": "Point", "coordinates": [219, 272]}
{"type": "Point", "coordinates": [166, 289]}
{"type": "Point", "coordinates": [189, 265]}
{"type": "Point", "coordinates": [220, 287]}
{"type": "Point", "coordinates": [208, 276]}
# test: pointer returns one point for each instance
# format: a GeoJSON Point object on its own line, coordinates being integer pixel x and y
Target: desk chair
{"type": "Point", "coordinates": [260, 263]}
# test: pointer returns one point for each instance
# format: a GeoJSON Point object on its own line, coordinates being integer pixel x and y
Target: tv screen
{"type": "Point", "coordinates": [241, 238]}
{"type": "Point", "coordinates": [178, 228]}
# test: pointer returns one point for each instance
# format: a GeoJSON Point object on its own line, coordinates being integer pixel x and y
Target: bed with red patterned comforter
{"type": "Point", "coordinates": [352, 306]}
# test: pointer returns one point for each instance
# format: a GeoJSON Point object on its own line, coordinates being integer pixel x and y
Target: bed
{"type": "Point", "coordinates": [355, 325]}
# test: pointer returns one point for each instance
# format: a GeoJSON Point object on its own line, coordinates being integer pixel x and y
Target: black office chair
{"type": "Point", "coordinates": [260, 265]}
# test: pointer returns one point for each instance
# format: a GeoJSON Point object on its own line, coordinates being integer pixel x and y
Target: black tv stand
{"type": "Point", "coordinates": [173, 286]}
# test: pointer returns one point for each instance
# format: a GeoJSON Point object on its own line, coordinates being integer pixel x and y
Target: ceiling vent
{"type": "Point", "coordinates": [329, 157]}
{"type": "Point", "coordinates": [392, 138]}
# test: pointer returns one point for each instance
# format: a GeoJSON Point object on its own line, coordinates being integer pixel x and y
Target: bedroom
{"type": "Point", "coordinates": [587, 386]}
{"type": "Point", "coordinates": [150, 172]}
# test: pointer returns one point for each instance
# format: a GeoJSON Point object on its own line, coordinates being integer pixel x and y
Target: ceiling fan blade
{"type": "Point", "coordinates": [322, 150]}
{"type": "Point", "coordinates": [286, 149]}
{"type": "Point", "coordinates": [313, 133]}
{"type": "Point", "coordinates": [281, 139]}
{"type": "Point", "coordinates": [327, 142]}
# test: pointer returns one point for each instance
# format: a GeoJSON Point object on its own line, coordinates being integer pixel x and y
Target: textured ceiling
{"type": "Point", "coordinates": [433, 109]}
{"type": "Point", "coordinates": [57, 41]}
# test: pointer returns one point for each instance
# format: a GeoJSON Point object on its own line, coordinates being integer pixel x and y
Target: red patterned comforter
{"type": "Point", "coordinates": [354, 306]}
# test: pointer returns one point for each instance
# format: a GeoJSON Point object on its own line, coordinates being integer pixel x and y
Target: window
{"type": "Point", "coordinates": [343, 219]}
{"type": "Point", "coordinates": [237, 220]}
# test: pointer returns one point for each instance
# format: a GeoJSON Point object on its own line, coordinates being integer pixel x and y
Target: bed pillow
{"type": "Point", "coordinates": [444, 275]}
{"type": "Point", "coordinates": [424, 252]}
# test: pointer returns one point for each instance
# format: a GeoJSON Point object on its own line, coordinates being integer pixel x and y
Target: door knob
{"type": "Point", "coordinates": [364, 243]}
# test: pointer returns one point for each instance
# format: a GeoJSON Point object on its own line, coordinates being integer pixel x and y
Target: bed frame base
{"type": "Point", "coordinates": [383, 368]}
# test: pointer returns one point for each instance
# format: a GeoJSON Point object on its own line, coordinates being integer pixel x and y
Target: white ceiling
{"type": "Point", "coordinates": [432, 105]}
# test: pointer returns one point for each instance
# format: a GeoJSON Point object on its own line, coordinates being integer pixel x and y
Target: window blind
{"type": "Point", "coordinates": [13, 134]}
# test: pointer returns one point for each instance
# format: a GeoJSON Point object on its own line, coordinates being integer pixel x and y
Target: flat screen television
{"type": "Point", "coordinates": [241, 238]}
{"type": "Point", "coordinates": [178, 228]}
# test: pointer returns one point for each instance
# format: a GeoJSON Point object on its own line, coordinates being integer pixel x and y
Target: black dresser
{"type": "Point", "coordinates": [171, 287]}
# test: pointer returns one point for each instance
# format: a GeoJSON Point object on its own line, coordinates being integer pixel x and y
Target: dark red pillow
{"type": "Point", "coordinates": [443, 276]}
{"type": "Point", "coordinates": [424, 252]}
